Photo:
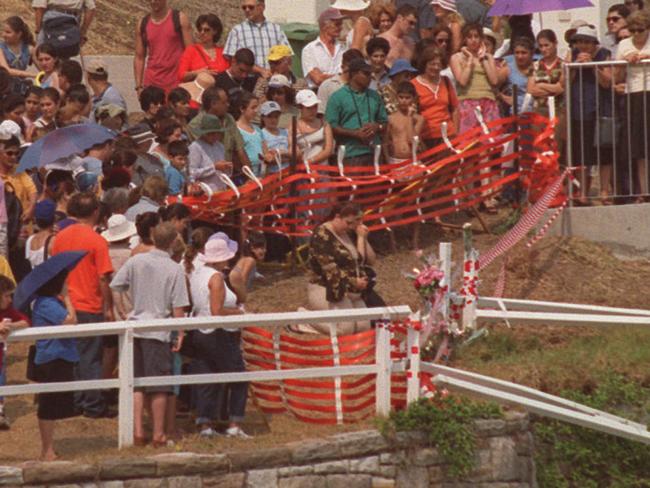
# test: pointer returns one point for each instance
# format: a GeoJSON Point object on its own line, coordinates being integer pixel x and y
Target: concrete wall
{"type": "Point", "coordinates": [364, 459]}
{"type": "Point", "coordinates": [624, 228]}
{"type": "Point", "coordinates": [306, 11]}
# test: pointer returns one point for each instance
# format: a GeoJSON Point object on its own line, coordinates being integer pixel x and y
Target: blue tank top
{"type": "Point", "coordinates": [20, 61]}
{"type": "Point", "coordinates": [278, 141]}
{"type": "Point", "coordinates": [517, 80]}
{"type": "Point", "coordinates": [253, 148]}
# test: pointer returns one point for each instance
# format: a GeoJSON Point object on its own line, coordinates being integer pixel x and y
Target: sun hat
{"type": "Point", "coordinates": [351, 5]}
{"type": "Point", "coordinates": [96, 67]}
{"type": "Point", "coordinates": [279, 51]}
{"type": "Point", "coordinates": [446, 4]}
{"type": "Point", "coordinates": [487, 32]}
{"type": "Point", "coordinates": [307, 98]}
{"type": "Point", "coordinates": [277, 81]}
{"type": "Point", "coordinates": [119, 228]}
{"type": "Point", "coordinates": [207, 125]}
{"type": "Point", "coordinates": [216, 251]}
{"type": "Point", "coordinates": [269, 107]}
{"type": "Point", "coordinates": [232, 245]}
{"type": "Point", "coordinates": [573, 28]}
{"type": "Point", "coordinates": [586, 33]}
{"type": "Point", "coordinates": [400, 66]}
{"type": "Point", "coordinates": [329, 15]}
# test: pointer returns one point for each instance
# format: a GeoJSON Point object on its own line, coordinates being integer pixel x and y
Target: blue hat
{"type": "Point", "coordinates": [44, 212]}
{"type": "Point", "coordinates": [86, 181]}
{"type": "Point", "coordinates": [399, 66]}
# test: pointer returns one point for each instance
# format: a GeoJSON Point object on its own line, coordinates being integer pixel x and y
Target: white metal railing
{"type": "Point", "coordinates": [126, 382]}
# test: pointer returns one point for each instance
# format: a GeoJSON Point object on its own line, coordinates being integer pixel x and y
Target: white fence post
{"type": "Point", "coordinates": [413, 369]}
{"type": "Point", "coordinates": [384, 369]}
{"type": "Point", "coordinates": [444, 253]}
{"type": "Point", "coordinates": [125, 428]}
{"type": "Point", "coordinates": [470, 276]}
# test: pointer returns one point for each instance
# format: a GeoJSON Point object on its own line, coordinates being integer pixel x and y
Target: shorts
{"type": "Point", "coordinates": [152, 358]}
{"type": "Point", "coordinates": [56, 406]}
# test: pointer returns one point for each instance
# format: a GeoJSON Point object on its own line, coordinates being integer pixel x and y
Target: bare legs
{"type": "Point", "coordinates": [46, 428]}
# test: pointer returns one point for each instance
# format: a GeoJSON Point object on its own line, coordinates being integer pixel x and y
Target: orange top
{"type": "Point", "coordinates": [83, 281]}
{"type": "Point", "coordinates": [435, 102]}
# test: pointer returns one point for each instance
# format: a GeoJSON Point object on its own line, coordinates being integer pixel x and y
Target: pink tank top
{"type": "Point", "coordinates": [164, 51]}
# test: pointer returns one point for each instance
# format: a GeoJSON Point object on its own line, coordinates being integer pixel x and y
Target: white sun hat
{"type": "Point", "coordinates": [351, 5]}
{"type": "Point", "coordinates": [119, 229]}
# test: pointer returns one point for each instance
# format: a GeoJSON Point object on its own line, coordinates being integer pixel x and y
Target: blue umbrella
{"type": "Point", "coordinates": [63, 143]}
{"type": "Point", "coordinates": [43, 273]}
{"type": "Point", "coordinates": [523, 7]}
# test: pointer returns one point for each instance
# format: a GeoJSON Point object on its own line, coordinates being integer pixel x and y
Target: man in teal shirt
{"type": "Point", "coordinates": [357, 116]}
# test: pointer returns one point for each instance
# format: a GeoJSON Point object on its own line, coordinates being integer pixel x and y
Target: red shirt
{"type": "Point", "coordinates": [164, 51]}
{"type": "Point", "coordinates": [434, 102]}
{"type": "Point", "coordinates": [196, 57]}
{"type": "Point", "coordinates": [15, 316]}
{"type": "Point", "coordinates": [83, 281]}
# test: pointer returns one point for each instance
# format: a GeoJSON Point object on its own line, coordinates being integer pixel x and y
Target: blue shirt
{"type": "Point", "coordinates": [175, 180]}
{"type": "Point", "coordinates": [47, 312]}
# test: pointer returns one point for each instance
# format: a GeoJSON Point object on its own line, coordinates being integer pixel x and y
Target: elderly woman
{"type": "Point", "coordinates": [590, 99]}
{"type": "Point", "coordinates": [339, 258]}
{"type": "Point", "coordinates": [205, 55]}
{"type": "Point", "coordinates": [634, 50]}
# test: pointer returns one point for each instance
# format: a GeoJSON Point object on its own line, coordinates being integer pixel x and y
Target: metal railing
{"type": "Point", "coordinates": [125, 383]}
{"type": "Point", "coordinates": [600, 128]}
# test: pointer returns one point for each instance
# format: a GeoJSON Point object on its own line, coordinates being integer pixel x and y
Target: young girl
{"type": "Point", "coordinates": [278, 140]}
{"type": "Point", "coordinates": [16, 48]}
{"type": "Point", "coordinates": [49, 103]}
{"type": "Point", "coordinates": [47, 61]}
{"type": "Point", "coordinates": [253, 142]}
{"type": "Point", "coordinates": [32, 107]}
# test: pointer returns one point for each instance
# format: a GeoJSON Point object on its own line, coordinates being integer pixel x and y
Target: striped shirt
{"type": "Point", "coordinates": [259, 38]}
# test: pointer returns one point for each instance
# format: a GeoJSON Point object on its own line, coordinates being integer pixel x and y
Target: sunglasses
{"type": "Point", "coordinates": [12, 153]}
{"type": "Point", "coordinates": [248, 7]}
{"type": "Point", "coordinates": [636, 31]}
{"type": "Point", "coordinates": [614, 18]}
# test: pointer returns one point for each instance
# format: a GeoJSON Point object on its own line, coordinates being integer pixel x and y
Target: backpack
{"type": "Point", "coordinates": [176, 19]}
{"type": "Point", "coordinates": [63, 33]}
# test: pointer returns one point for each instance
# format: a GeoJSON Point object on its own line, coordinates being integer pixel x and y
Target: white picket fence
{"type": "Point", "coordinates": [125, 383]}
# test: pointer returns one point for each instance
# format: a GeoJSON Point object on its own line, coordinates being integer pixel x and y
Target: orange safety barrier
{"type": "Point", "coordinates": [438, 183]}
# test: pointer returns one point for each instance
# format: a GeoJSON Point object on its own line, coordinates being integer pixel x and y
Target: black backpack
{"type": "Point", "coordinates": [176, 19]}
{"type": "Point", "coordinates": [63, 34]}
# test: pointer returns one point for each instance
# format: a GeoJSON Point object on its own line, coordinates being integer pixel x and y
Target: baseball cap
{"type": "Point", "coordinates": [44, 211]}
{"type": "Point", "coordinates": [586, 33]}
{"type": "Point", "coordinates": [270, 107]}
{"type": "Point", "coordinates": [279, 51]}
{"type": "Point", "coordinates": [96, 67]}
{"type": "Point", "coordinates": [307, 98]}
{"type": "Point", "coordinates": [278, 81]}
{"type": "Point", "coordinates": [329, 14]}
{"type": "Point", "coordinates": [400, 66]}
{"type": "Point", "coordinates": [359, 64]}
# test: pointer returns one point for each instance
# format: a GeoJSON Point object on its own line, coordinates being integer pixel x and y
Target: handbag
{"type": "Point", "coordinates": [607, 129]}
{"type": "Point", "coordinates": [32, 367]}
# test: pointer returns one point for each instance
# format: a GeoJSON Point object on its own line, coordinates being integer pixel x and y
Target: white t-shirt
{"type": "Point", "coordinates": [317, 55]}
{"type": "Point", "coordinates": [636, 71]}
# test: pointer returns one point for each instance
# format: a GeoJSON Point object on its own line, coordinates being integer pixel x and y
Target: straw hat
{"type": "Point", "coordinates": [351, 5]}
{"type": "Point", "coordinates": [216, 251]}
{"type": "Point", "coordinates": [119, 229]}
{"type": "Point", "coordinates": [202, 82]}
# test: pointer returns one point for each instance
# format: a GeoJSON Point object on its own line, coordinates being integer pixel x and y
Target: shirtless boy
{"type": "Point", "coordinates": [398, 36]}
{"type": "Point", "coordinates": [403, 125]}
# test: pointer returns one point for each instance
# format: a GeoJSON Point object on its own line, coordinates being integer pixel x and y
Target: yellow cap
{"type": "Point", "coordinates": [276, 53]}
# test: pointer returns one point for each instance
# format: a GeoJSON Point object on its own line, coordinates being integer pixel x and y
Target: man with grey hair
{"type": "Point", "coordinates": [153, 350]}
{"type": "Point", "coordinates": [257, 34]}
{"type": "Point", "coordinates": [321, 58]}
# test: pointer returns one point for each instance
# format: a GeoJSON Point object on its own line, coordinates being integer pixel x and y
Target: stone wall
{"type": "Point", "coordinates": [354, 460]}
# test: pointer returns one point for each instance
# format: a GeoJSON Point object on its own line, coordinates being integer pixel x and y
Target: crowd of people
{"type": "Point", "coordinates": [385, 73]}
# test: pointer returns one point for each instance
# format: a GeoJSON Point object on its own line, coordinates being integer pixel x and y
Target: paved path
{"type": "Point", "coordinates": [120, 74]}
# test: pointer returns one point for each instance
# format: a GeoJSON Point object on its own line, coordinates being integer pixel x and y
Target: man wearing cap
{"type": "Point", "coordinates": [279, 58]}
{"type": "Point", "coordinates": [399, 35]}
{"type": "Point", "coordinates": [336, 82]}
{"type": "Point", "coordinates": [357, 115]}
{"type": "Point", "coordinates": [207, 154]}
{"type": "Point", "coordinates": [104, 93]}
{"type": "Point", "coordinates": [321, 58]}
{"type": "Point", "coordinates": [257, 34]}
{"type": "Point", "coordinates": [44, 10]}
{"type": "Point", "coordinates": [400, 71]}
